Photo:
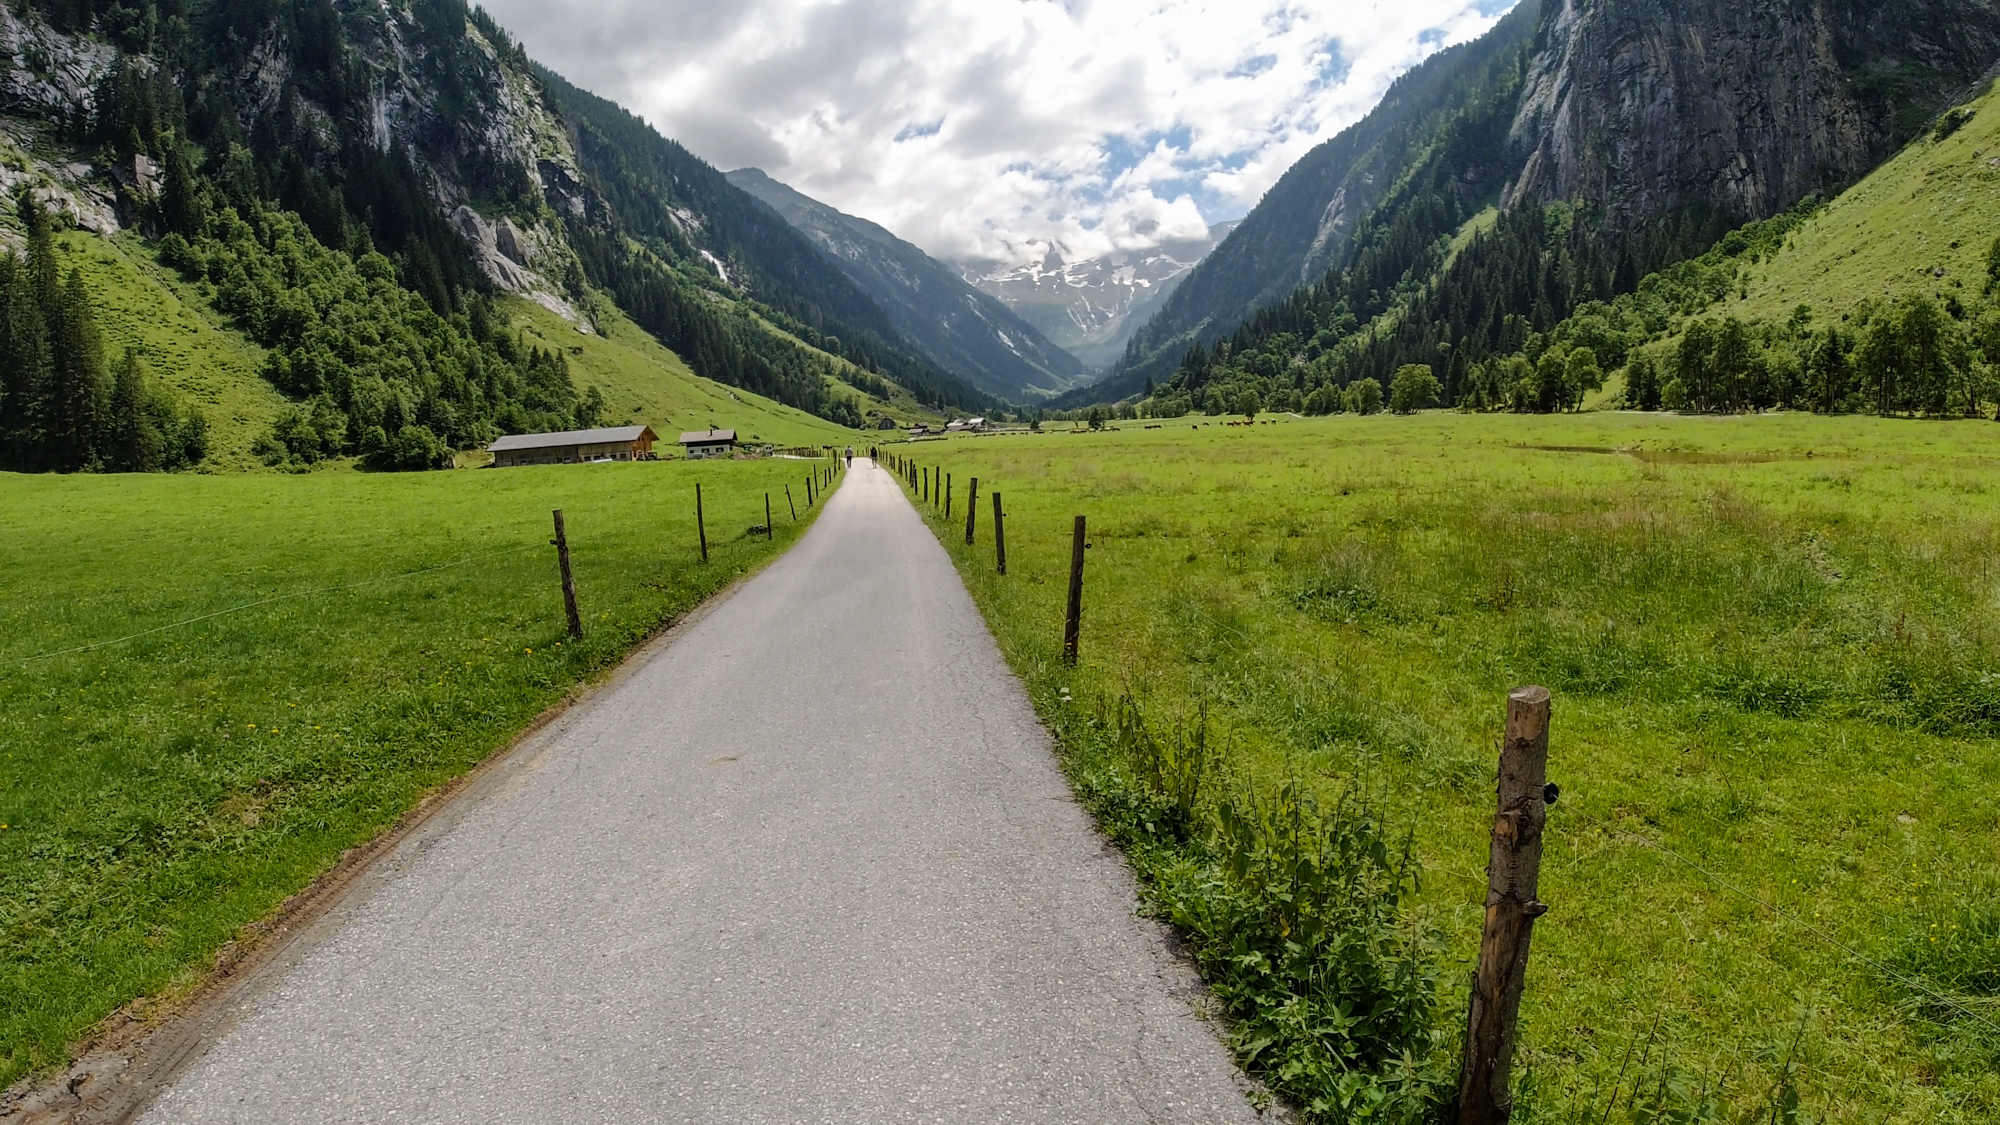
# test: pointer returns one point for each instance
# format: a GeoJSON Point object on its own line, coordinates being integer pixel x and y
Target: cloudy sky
{"type": "Point", "coordinates": [995, 128]}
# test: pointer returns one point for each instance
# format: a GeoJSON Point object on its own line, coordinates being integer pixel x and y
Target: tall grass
{"type": "Point", "coordinates": [1774, 662]}
{"type": "Point", "coordinates": [1296, 911]}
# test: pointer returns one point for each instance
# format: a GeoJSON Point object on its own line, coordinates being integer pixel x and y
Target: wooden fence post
{"type": "Point", "coordinates": [971, 508]}
{"type": "Point", "coordinates": [1485, 1096]}
{"type": "Point", "coordinates": [947, 496]}
{"type": "Point", "coordinates": [770, 529]}
{"type": "Point", "coordinates": [999, 535]}
{"type": "Point", "coordinates": [1073, 621]}
{"type": "Point", "coordinates": [561, 543]}
{"type": "Point", "coordinates": [700, 524]}
{"type": "Point", "coordinates": [809, 490]}
{"type": "Point", "coordinates": [789, 504]}
{"type": "Point", "coordinates": [927, 486]}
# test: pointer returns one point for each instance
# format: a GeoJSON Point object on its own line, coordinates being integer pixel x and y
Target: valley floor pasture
{"type": "Point", "coordinates": [212, 685]}
{"type": "Point", "coordinates": [1775, 863]}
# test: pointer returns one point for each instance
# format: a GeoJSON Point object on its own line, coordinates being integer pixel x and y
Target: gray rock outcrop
{"type": "Point", "coordinates": [1645, 105]}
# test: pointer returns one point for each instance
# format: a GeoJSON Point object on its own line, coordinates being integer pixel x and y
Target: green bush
{"type": "Point", "coordinates": [1363, 396]}
{"type": "Point", "coordinates": [1297, 914]}
{"type": "Point", "coordinates": [1414, 388]}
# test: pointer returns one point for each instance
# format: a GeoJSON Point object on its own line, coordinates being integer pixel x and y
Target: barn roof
{"type": "Point", "coordinates": [697, 437]}
{"type": "Point", "coordinates": [573, 437]}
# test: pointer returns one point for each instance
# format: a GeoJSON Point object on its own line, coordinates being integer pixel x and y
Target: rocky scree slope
{"type": "Point", "coordinates": [956, 325]}
{"type": "Point", "coordinates": [1663, 125]}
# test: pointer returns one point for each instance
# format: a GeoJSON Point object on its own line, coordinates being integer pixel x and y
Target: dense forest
{"type": "Point", "coordinates": [62, 407]}
{"type": "Point", "coordinates": [328, 247]}
{"type": "Point", "coordinates": [1460, 342]}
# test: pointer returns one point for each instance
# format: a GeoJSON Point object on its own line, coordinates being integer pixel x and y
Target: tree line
{"type": "Point", "coordinates": [1932, 354]}
{"type": "Point", "coordinates": [62, 407]}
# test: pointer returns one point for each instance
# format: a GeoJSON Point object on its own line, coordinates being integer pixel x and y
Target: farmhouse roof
{"type": "Point", "coordinates": [699, 437]}
{"type": "Point", "coordinates": [573, 437]}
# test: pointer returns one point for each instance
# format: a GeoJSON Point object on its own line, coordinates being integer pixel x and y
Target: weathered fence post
{"type": "Point", "coordinates": [971, 508]}
{"type": "Point", "coordinates": [770, 529]}
{"type": "Point", "coordinates": [927, 486]}
{"type": "Point", "coordinates": [999, 535]}
{"type": "Point", "coordinates": [789, 504]}
{"type": "Point", "coordinates": [1485, 1096]}
{"type": "Point", "coordinates": [700, 525]}
{"type": "Point", "coordinates": [809, 491]}
{"type": "Point", "coordinates": [1073, 621]}
{"type": "Point", "coordinates": [561, 544]}
{"type": "Point", "coordinates": [947, 496]}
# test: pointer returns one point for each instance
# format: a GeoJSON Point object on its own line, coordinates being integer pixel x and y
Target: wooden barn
{"type": "Point", "coordinates": [575, 447]}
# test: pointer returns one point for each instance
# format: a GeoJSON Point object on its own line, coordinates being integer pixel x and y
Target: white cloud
{"type": "Point", "coordinates": [995, 128]}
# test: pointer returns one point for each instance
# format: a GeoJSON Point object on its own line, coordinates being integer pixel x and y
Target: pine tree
{"type": "Point", "coordinates": [24, 365]}
{"type": "Point", "coordinates": [132, 441]}
{"type": "Point", "coordinates": [80, 391]}
{"type": "Point", "coordinates": [42, 276]}
{"type": "Point", "coordinates": [182, 205]}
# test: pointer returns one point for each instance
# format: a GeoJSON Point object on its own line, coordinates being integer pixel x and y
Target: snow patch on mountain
{"type": "Point", "coordinates": [1090, 307]}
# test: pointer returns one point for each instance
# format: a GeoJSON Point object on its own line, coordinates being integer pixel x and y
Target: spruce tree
{"type": "Point", "coordinates": [42, 276]}
{"type": "Point", "coordinates": [80, 398]}
{"type": "Point", "coordinates": [24, 363]}
{"type": "Point", "coordinates": [181, 202]}
{"type": "Point", "coordinates": [132, 440]}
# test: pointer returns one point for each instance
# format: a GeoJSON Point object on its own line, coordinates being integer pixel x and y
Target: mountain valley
{"type": "Point", "coordinates": [1092, 306]}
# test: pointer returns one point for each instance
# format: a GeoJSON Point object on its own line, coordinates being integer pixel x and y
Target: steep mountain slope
{"type": "Point", "coordinates": [956, 326]}
{"type": "Point", "coordinates": [643, 382]}
{"type": "Point", "coordinates": [684, 214]}
{"type": "Point", "coordinates": [1923, 224]}
{"type": "Point", "coordinates": [349, 185]}
{"type": "Point", "coordinates": [1659, 126]}
{"type": "Point", "coordinates": [1311, 218]}
{"type": "Point", "coordinates": [1744, 107]}
{"type": "Point", "coordinates": [1091, 307]}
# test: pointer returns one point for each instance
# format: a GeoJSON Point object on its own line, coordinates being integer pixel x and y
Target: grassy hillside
{"type": "Point", "coordinates": [186, 343]}
{"type": "Point", "coordinates": [348, 642]}
{"type": "Point", "coordinates": [1771, 646]}
{"type": "Point", "coordinates": [191, 347]}
{"type": "Point", "coordinates": [1922, 222]}
{"type": "Point", "coordinates": [644, 382]}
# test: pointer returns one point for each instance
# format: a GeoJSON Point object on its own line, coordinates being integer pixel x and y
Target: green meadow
{"type": "Point", "coordinates": [210, 686]}
{"type": "Point", "coordinates": [1774, 868]}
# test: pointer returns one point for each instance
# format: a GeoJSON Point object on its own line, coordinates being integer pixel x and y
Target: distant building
{"type": "Point", "coordinates": [700, 444]}
{"type": "Point", "coordinates": [966, 425]}
{"type": "Point", "coordinates": [575, 447]}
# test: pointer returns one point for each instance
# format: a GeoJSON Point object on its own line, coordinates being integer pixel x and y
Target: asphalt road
{"type": "Point", "coordinates": [808, 861]}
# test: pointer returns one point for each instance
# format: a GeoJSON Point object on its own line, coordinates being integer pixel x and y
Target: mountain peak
{"type": "Point", "coordinates": [958, 326]}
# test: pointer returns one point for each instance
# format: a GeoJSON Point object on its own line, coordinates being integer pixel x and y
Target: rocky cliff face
{"type": "Point", "coordinates": [1639, 107]}
{"type": "Point", "coordinates": [1631, 108]}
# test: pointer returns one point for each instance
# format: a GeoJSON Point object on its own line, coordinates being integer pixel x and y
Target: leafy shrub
{"type": "Point", "coordinates": [1414, 388]}
{"type": "Point", "coordinates": [1297, 914]}
{"type": "Point", "coordinates": [1363, 396]}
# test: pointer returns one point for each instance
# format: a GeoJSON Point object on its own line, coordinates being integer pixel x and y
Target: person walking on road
{"type": "Point", "coordinates": [850, 456]}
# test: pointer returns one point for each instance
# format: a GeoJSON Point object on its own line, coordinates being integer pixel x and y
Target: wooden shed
{"type": "Point", "coordinates": [575, 447]}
